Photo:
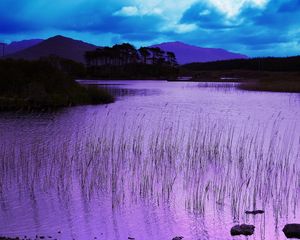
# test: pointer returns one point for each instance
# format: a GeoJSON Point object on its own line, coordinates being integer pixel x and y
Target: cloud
{"type": "Point", "coordinates": [253, 27]}
{"type": "Point", "coordinates": [127, 11]}
{"type": "Point", "coordinates": [256, 27]}
{"type": "Point", "coordinates": [206, 16]}
{"type": "Point", "coordinates": [233, 8]}
{"type": "Point", "coordinates": [185, 28]}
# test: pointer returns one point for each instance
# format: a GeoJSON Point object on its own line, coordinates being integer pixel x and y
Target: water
{"type": "Point", "coordinates": [164, 160]}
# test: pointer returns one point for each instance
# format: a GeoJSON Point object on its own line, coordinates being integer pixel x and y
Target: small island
{"type": "Point", "coordinates": [45, 84]}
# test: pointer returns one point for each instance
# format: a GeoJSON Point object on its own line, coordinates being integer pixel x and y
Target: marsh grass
{"type": "Point", "coordinates": [292, 86]}
{"type": "Point", "coordinates": [205, 162]}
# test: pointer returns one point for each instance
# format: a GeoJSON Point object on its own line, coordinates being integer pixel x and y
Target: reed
{"type": "Point", "coordinates": [207, 163]}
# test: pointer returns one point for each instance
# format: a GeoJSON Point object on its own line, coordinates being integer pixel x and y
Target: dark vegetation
{"type": "Point", "coordinates": [135, 71]}
{"type": "Point", "coordinates": [45, 83]}
{"type": "Point", "coordinates": [257, 74]}
{"type": "Point", "coordinates": [50, 81]}
{"type": "Point", "coordinates": [292, 86]}
{"type": "Point", "coordinates": [270, 64]}
{"type": "Point", "coordinates": [124, 61]}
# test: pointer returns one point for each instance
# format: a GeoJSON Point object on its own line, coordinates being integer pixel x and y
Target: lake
{"type": "Point", "coordinates": [166, 159]}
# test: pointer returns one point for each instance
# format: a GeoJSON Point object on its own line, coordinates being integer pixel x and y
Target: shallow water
{"type": "Point", "coordinates": [164, 160]}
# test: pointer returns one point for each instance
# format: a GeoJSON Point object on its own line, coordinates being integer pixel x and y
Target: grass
{"type": "Point", "coordinates": [254, 80]}
{"type": "Point", "coordinates": [205, 162]}
{"type": "Point", "coordinates": [273, 82]}
{"type": "Point", "coordinates": [272, 86]}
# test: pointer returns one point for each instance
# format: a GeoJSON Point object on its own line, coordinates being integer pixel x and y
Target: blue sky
{"type": "Point", "coordinates": [252, 27]}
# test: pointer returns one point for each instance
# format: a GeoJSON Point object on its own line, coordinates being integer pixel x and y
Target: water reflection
{"type": "Point", "coordinates": [122, 92]}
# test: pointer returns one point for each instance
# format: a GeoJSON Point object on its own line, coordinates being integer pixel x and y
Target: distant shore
{"type": "Point", "coordinates": [276, 74]}
{"type": "Point", "coordinates": [247, 80]}
{"type": "Point", "coordinates": [252, 80]}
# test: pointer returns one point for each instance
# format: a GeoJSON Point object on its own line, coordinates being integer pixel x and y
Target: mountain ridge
{"type": "Point", "coordinates": [59, 46]}
{"type": "Point", "coordinates": [186, 53]}
{"type": "Point", "coordinates": [69, 48]}
{"type": "Point", "coordinates": [17, 46]}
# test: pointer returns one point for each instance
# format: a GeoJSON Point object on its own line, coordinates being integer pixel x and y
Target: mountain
{"type": "Point", "coordinates": [17, 46]}
{"type": "Point", "coordinates": [74, 49]}
{"type": "Point", "coordinates": [60, 46]}
{"type": "Point", "coordinates": [187, 53]}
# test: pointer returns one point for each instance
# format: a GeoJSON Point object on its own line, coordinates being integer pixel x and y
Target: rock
{"type": "Point", "coordinates": [292, 230]}
{"type": "Point", "coordinates": [255, 212]}
{"type": "Point", "coordinates": [177, 238]}
{"type": "Point", "coordinates": [243, 229]}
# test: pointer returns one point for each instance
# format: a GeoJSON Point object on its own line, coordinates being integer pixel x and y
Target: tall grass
{"type": "Point", "coordinates": [205, 162]}
{"type": "Point", "coordinates": [292, 86]}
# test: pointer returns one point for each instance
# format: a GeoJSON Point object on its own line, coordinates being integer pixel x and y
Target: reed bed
{"type": "Point", "coordinates": [204, 161]}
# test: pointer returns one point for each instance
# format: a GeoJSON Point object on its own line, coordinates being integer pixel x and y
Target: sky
{"type": "Point", "coordinates": [252, 27]}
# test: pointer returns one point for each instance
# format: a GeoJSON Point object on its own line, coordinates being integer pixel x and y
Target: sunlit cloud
{"type": "Point", "coordinates": [181, 28]}
{"type": "Point", "coordinates": [185, 28]}
{"type": "Point", "coordinates": [233, 8]}
{"type": "Point", "coordinates": [127, 11]}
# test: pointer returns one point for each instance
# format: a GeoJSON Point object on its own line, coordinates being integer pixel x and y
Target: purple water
{"type": "Point", "coordinates": [164, 160]}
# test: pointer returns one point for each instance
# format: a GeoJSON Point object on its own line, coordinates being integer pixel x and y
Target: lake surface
{"type": "Point", "coordinates": [164, 160]}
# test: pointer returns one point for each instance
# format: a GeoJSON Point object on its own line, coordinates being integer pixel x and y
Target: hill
{"type": "Point", "coordinates": [17, 46]}
{"type": "Point", "coordinates": [60, 46]}
{"type": "Point", "coordinates": [188, 54]}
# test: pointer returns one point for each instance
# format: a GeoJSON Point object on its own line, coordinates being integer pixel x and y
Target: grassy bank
{"type": "Point", "coordinates": [257, 74]}
{"type": "Point", "coordinates": [253, 80]}
{"type": "Point", "coordinates": [273, 82]}
{"type": "Point", "coordinates": [43, 84]}
{"type": "Point", "coordinates": [243, 75]}
{"type": "Point", "coordinates": [271, 86]}
{"type": "Point", "coordinates": [268, 64]}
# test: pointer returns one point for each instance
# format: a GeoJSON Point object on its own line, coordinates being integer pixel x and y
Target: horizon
{"type": "Point", "coordinates": [255, 28]}
{"type": "Point", "coordinates": [154, 44]}
{"type": "Point", "coordinates": [159, 43]}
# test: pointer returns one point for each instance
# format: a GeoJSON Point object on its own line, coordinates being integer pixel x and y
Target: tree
{"type": "Point", "coordinates": [171, 59]}
{"type": "Point", "coordinates": [157, 55]}
{"type": "Point", "coordinates": [130, 53]}
{"type": "Point", "coordinates": [3, 48]}
{"type": "Point", "coordinates": [124, 54]}
{"type": "Point", "coordinates": [88, 58]}
{"type": "Point", "coordinates": [145, 53]}
{"type": "Point", "coordinates": [118, 54]}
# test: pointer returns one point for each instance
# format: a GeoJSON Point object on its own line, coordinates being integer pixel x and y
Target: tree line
{"type": "Point", "coordinates": [123, 54]}
{"type": "Point", "coordinates": [272, 64]}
